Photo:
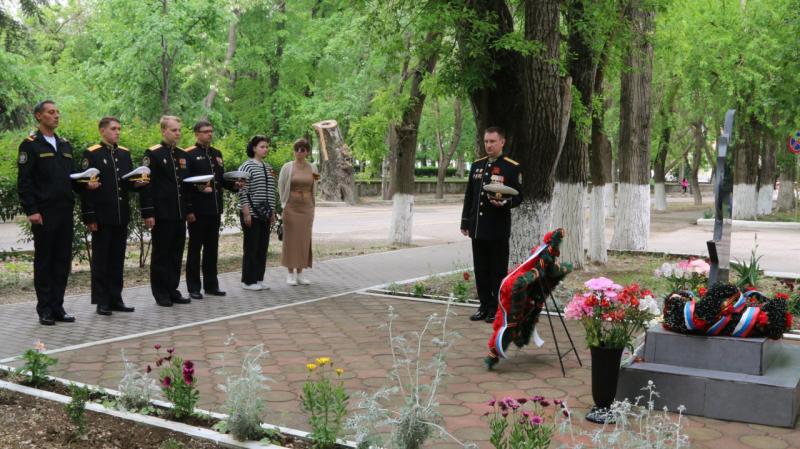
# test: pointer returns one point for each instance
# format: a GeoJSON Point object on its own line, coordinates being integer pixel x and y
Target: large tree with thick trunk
{"type": "Point", "coordinates": [569, 196]}
{"type": "Point", "coordinates": [600, 158]}
{"type": "Point", "coordinates": [767, 173]}
{"type": "Point", "coordinates": [745, 169]}
{"type": "Point", "coordinates": [632, 225]}
{"type": "Point", "coordinates": [522, 91]}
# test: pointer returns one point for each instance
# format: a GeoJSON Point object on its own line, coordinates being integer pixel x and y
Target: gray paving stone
{"type": "Point", "coordinates": [21, 328]}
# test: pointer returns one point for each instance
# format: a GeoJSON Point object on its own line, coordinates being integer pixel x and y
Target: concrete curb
{"type": "Point", "coordinates": [756, 225]}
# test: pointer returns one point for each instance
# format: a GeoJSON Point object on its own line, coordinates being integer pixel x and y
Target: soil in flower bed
{"type": "Point", "coordinates": [27, 422]}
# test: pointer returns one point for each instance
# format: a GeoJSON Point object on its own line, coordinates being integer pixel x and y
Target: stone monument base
{"type": "Point", "coordinates": [736, 392]}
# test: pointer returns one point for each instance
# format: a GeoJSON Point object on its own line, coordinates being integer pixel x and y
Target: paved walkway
{"type": "Point", "coordinates": [350, 329]}
{"type": "Point", "coordinates": [21, 329]}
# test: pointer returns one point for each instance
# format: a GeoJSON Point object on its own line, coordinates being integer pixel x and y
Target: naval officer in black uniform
{"type": "Point", "coordinates": [487, 219]}
{"type": "Point", "coordinates": [106, 213]}
{"type": "Point", "coordinates": [206, 216]}
{"type": "Point", "coordinates": [165, 206]}
{"type": "Point", "coordinates": [44, 164]}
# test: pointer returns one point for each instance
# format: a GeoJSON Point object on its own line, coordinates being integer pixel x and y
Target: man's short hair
{"type": "Point", "coordinates": [166, 119]}
{"type": "Point", "coordinates": [39, 107]}
{"type": "Point", "coordinates": [200, 124]}
{"type": "Point", "coordinates": [496, 129]}
{"type": "Point", "coordinates": [105, 121]}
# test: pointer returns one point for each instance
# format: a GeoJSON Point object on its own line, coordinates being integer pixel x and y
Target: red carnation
{"type": "Point", "coordinates": [157, 346]}
{"type": "Point", "coordinates": [171, 350]}
{"type": "Point", "coordinates": [466, 276]}
{"type": "Point", "coordinates": [166, 381]}
{"type": "Point", "coordinates": [789, 320]}
{"type": "Point", "coordinates": [702, 291]}
{"type": "Point", "coordinates": [762, 319]}
{"type": "Point", "coordinates": [782, 296]}
{"type": "Point", "coordinates": [548, 237]}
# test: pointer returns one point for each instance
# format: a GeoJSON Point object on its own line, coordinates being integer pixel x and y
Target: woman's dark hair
{"type": "Point", "coordinates": [302, 143]}
{"type": "Point", "coordinates": [251, 146]}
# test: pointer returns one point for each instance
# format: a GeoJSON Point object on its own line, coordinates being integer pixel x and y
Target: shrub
{"type": "Point", "coordinates": [76, 408]}
{"type": "Point", "coordinates": [37, 365]}
{"type": "Point", "coordinates": [244, 402]}
{"type": "Point", "coordinates": [136, 388]}
{"type": "Point", "coordinates": [419, 289]}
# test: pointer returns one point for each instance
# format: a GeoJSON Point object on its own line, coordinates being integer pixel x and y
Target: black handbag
{"type": "Point", "coordinates": [261, 211]}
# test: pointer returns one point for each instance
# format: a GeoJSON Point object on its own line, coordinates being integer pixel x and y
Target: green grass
{"type": "Point", "coordinates": [782, 216]}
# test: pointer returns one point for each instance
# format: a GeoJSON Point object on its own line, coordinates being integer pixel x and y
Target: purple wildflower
{"type": "Point", "coordinates": [166, 381]}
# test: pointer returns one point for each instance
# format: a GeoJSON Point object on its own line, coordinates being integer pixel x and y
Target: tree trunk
{"type": "Point", "coordinates": [786, 195]}
{"type": "Point", "coordinates": [632, 225]}
{"type": "Point", "coordinates": [666, 111]}
{"type": "Point", "coordinates": [697, 157]}
{"type": "Point", "coordinates": [766, 174]}
{"type": "Point", "coordinates": [389, 164]}
{"type": "Point", "coordinates": [745, 172]}
{"type": "Point", "coordinates": [406, 150]}
{"type": "Point", "coordinates": [274, 68]}
{"type": "Point", "coordinates": [461, 165]}
{"type": "Point", "coordinates": [337, 180]}
{"type": "Point", "coordinates": [569, 195]}
{"type": "Point", "coordinates": [600, 170]}
{"type": "Point", "coordinates": [525, 95]}
{"type": "Point", "coordinates": [445, 155]}
{"type": "Point", "coordinates": [227, 73]}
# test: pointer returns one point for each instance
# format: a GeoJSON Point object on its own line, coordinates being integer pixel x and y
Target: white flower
{"type": "Point", "coordinates": [649, 304]}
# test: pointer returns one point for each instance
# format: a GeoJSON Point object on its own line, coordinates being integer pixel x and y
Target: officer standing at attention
{"type": "Point", "coordinates": [44, 164]}
{"type": "Point", "coordinates": [487, 220]}
{"type": "Point", "coordinates": [106, 213]}
{"type": "Point", "coordinates": [165, 209]}
{"type": "Point", "coordinates": [204, 222]}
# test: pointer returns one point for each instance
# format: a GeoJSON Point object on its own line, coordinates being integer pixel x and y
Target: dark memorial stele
{"type": "Point", "coordinates": [753, 380]}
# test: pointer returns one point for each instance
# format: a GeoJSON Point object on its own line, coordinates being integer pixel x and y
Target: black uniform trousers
{"type": "Point", "coordinates": [490, 258]}
{"type": "Point", "coordinates": [52, 260]}
{"type": "Point", "coordinates": [168, 238]}
{"type": "Point", "coordinates": [108, 262]}
{"type": "Point", "coordinates": [203, 236]}
{"type": "Point", "coordinates": [256, 244]}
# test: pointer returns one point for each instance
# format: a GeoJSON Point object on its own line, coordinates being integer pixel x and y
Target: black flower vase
{"type": "Point", "coordinates": [605, 373]}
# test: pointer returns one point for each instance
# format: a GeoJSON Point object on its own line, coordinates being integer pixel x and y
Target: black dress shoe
{"type": "Point", "coordinates": [181, 300]}
{"type": "Point", "coordinates": [215, 292]}
{"type": "Point", "coordinates": [65, 318]}
{"type": "Point", "coordinates": [103, 310]}
{"type": "Point", "coordinates": [164, 302]}
{"type": "Point", "coordinates": [47, 320]}
{"type": "Point", "coordinates": [489, 319]}
{"type": "Point", "coordinates": [121, 307]}
{"type": "Point", "coordinates": [195, 295]}
{"type": "Point", "coordinates": [477, 316]}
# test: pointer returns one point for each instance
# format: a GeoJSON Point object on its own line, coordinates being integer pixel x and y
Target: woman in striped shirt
{"type": "Point", "coordinates": [257, 204]}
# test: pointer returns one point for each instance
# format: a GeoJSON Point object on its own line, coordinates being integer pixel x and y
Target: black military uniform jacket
{"type": "Point", "coordinates": [107, 204]}
{"type": "Point", "coordinates": [206, 161]}
{"type": "Point", "coordinates": [483, 220]}
{"type": "Point", "coordinates": [166, 196]}
{"type": "Point", "coordinates": [43, 180]}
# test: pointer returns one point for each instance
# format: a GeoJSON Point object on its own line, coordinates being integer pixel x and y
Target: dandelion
{"type": "Point", "coordinates": [339, 371]}
{"type": "Point", "coordinates": [322, 361]}
{"type": "Point", "coordinates": [311, 367]}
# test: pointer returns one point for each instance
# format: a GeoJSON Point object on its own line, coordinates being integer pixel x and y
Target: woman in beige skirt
{"type": "Point", "coordinates": [296, 186]}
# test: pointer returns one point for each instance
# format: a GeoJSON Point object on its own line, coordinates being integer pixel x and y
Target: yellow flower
{"type": "Point", "coordinates": [339, 371]}
{"type": "Point", "coordinates": [322, 361]}
{"type": "Point", "coordinates": [311, 367]}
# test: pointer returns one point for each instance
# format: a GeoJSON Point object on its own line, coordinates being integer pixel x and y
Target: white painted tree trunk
{"type": "Point", "coordinates": [745, 200]}
{"type": "Point", "coordinates": [597, 225]}
{"type": "Point", "coordinates": [765, 200]}
{"type": "Point", "coordinates": [529, 223]}
{"type": "Point", "coordinates": [568, 213]}
{"type": "Point", "coordinates": [632, 224]}
{"type": "Point", "coordinates": [661, 197]}
{"type": "Point", "coordinates": [608, 191]}
{"type": "Point", "coordinates": [402, 218]}
{"type": "Point", "coordinates": [786, 199]}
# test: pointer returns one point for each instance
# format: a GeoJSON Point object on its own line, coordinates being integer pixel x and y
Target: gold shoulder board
{"type": "Point", "coordinates": [94, 147]}
{"type": "Point", "coordinates": [123, 148]}
{"type": "Point", "coordinates": [155, 147]}
{"type": "Point", "coordinates": [511, 160]}
{"type": "Point", "coordinates": [31, 138]}
{"type": "Point", "coordinates": [478, 160]}
{"type": "Point", "coordinates": [190, 148]}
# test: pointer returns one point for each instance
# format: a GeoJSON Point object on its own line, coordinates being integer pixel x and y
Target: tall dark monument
{"type": "Point", "coordinates": [719, 248]}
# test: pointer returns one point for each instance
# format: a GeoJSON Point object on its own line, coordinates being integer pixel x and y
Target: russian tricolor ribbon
{"type": "Point", "coordinates": [747, 323]}
{"type": "Point", "coordinates": [719, 325]}
{"type": "Point", "coordinates": [688, 315]}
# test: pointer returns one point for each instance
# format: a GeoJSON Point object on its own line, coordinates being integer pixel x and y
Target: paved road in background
{"type": "Point", "coordinates": [672, 232]}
